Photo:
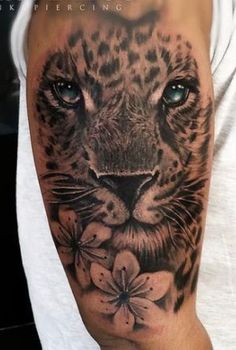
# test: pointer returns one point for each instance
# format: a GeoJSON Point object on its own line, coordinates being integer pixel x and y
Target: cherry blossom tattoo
{"type": "Point", "coordinates": [125, 135]}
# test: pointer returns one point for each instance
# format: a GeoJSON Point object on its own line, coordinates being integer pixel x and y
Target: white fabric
{"type": "Point", "coordinates": [58, 322]}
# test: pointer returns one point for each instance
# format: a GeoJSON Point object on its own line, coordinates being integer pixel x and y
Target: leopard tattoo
{"type": "Point", "coordinates": [125, 136]}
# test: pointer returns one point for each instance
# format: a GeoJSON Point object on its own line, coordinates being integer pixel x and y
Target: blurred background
{"type": "Point", "coordinates": [16, 319]}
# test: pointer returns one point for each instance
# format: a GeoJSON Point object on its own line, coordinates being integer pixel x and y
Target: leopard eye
{"type": "Point", "coordinates": [175, 94]}
{"type": "Point", "coordinates": [68, 93]}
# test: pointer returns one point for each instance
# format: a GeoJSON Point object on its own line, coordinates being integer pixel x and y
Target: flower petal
{"type": "Point", "coordinates": [124, 320]}
{"type": "Point", "coordinates": [103, 303]}
{"type": "Point", "coordinates": [66, 255]}
{"type": "Point", "coordinates": [95, 234]}
{"type": "Point", "coordinates": [102, 278]}
{"type": "Point", "coordinates": [61, 236]}
{"type": "Point", "coordinates": [70, 221]}
{"type": "Point", "coordinates": [152, 286]}
{"type": "Point", "coordinates": [82, 273]}
{"type": "Point", "coordinates": [126, 269]}
{"type": "Point", "coordinates": [146, 312]}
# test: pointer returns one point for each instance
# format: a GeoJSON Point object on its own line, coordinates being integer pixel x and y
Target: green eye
{"type": "Point", "coordinates": [68, 93]}
{"type": "Point", "coordinates": [175, 94]}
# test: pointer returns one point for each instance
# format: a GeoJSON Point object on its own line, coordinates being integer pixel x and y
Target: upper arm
{"type": "Point", "coordinates": [121, 124]}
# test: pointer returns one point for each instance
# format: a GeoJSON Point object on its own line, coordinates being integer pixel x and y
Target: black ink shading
{"type": "Point", "coordinates": [127, 156]}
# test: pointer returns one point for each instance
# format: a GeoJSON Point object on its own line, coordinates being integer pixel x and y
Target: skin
{"type": "Point", "coordinates": [172, 322]}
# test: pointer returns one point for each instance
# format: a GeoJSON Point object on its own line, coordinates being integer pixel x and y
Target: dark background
{"type": "Point", "coordinates": [17, 329]}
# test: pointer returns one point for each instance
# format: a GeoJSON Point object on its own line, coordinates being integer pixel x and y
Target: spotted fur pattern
{"type": "Point", "coordinates": [126, 159]}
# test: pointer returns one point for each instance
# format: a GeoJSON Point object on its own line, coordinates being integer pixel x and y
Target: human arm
{"type": "Point", "coordinates": [121, 123]}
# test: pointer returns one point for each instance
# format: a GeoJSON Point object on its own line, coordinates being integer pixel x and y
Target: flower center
{"type": "Point", "coordinates": [79, 247]}
{"type": "Point", "coordinates": [124, 298]}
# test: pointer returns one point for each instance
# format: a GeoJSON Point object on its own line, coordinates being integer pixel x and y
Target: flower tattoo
{"type": "Point", "coordinates": [127, 296]}
{"type": "Point", "coordinates": [79, 247]}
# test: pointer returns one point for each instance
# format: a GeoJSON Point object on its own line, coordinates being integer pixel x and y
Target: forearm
{"type": "Point", "coordinates": [122, 129]}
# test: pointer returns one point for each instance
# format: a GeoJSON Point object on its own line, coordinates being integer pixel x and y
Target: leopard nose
{"type": "Point", "coordinates": [127, 188]}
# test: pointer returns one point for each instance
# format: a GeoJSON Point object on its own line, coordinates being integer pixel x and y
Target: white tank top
{"type": "Point", "coordinates": [56, 315]}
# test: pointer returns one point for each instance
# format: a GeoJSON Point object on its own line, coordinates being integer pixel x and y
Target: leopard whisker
{"type": "Point", "coordinates": [71, 189]}
{"type": "Point", "coordinates": [181, 219]}
{"type": "Point", "coordinates": [191, 183]}
{"type": "Point", "coordinates": [86, 208]}
{"type": "Point", "coordinates": [171, 235]}
{"type": "Point", "coordinates": [191, 192]}
{"type": "Point", "coordinates": [73, 199]}
{"type": "Point", "coordinates": [185, 210]}
{"type": "Point", "coordinates": [176, 222]}
{"type": "Point", "coordinates": [60, 191]}
{"type": "Point", "coordinates": [187, 200]}
{"type": "Point", "coordinates": [179, 224]}
{"type": "Point", "coordinates": [89, 217]}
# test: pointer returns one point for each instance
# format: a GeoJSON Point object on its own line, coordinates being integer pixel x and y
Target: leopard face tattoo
{"type": "Point", "coordinates": [125, 137]}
